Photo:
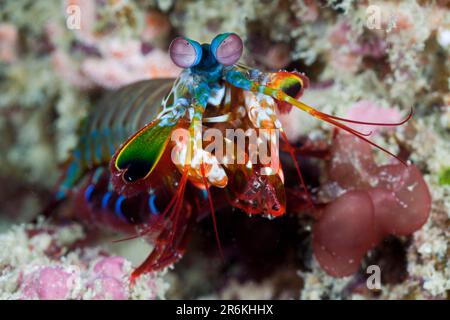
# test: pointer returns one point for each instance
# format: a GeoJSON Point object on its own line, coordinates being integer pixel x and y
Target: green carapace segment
{"type": "Point", "coordinates": [143, 151]}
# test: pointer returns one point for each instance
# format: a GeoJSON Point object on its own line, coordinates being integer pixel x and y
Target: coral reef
{"type": "Point", "coordinates": [43, 261]}
{"type": "Point", "coordinates": [366, 60]}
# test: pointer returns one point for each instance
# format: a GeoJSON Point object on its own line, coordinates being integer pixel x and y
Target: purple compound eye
{"type": "Point", "coordinates": [227, 48]}
{"type": "Point", "coordinates": [184, 52]}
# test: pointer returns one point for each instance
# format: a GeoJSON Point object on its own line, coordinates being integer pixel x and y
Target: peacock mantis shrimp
{"type": "Point", "coordinates": [161, 178]}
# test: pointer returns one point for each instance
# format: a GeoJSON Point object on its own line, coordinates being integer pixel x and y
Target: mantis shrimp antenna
{"type": "Point", "coordinates": [384, 124]}
{"type": "Point", "coordinates": [211, 207]}
{"type": "Point", "coordinates": [238, 79]}
{"type": "Point", "coordinates": [297, 167]}
{"type": "Point", "coordinates": [335, 121]}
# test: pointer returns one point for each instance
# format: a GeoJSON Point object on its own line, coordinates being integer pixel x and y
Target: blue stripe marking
{"type": "Point", "coordinates": [105, 199]}
{"type": "Point", "coordinates": [118, 209]}
{"type": "Point", "coordinates": [87, 151]}
{"type": "Point", "coordinates": [88, 192]}
{"type": "Point", "coordinates": [109, 138]}
{"type": "Point", "coordinates": [97, 174]}
{"type": "Point", "coordinates": [97, 145]}
{"type": "Point", "coordinates": [77, 154]}
{"type": "Point", "coordinates": [61, 194]}
{"type": "Point", "coordinates": [205, 194]}
{"type": "Point", "coordinates": [72, 174]}
{"type": "Point", "coordinates": [151, 204]}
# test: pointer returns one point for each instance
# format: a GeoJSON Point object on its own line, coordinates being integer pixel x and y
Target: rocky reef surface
{"type": "Point", "coordinates": [367, 60]}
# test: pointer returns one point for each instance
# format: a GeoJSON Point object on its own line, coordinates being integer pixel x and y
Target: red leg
{"type": "Point", "coordinates": [170, 245]}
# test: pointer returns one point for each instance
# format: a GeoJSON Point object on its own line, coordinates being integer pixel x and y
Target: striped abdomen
{"type": "Point", "coordinates": [87, 177]}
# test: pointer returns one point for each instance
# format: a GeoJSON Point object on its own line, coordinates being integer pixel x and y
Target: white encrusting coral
{"type": "Point", "coordinates": [51, 74]}
{"type": "Point", "coordinates": [43, 261]}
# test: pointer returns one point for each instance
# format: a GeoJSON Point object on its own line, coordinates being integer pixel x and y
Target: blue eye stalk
{"type": "Point", "coordinates": [227, 48]}
{"type": "Point", "coordinates": [217, 41]}
{"type": "Point", "coordinates": [198, 50]}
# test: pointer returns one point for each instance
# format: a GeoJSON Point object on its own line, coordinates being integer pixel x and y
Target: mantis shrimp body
{"type": "Point", "coordinates": [87, 178]}
{"type": "Point", "coordinates": [164, 175]}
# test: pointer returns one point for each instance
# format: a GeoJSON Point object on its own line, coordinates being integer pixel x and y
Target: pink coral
{"type": "Point", "coordinates": [107, 288]}
{"type": "Point", "coordinates": [48, 262]}
{"type": "Point", "coordinates": [48, 283]}
{"type": "Point", "coordinates": [380, 201]}
{"type": "Point", "coordinates": [109, 279]}
{"type": "Point", "coordinates": [88, 10]}
{"type": "Point", "coordinates": [110, 266]}
{"type": "Point", "coordinates": [124, 63]}
{"type": "Point", "coordinates": [8, 43]}
{"type": "Point", "coordinates": [65, 67]}
{"type": "Point", "coordinates": [366, 109]}
{"type": "Point", "coordinates": [110, 60]}
{"type": "Point", "coordinates": [347, 54]}
{"type": "Point", "coordinates": [312, 11]}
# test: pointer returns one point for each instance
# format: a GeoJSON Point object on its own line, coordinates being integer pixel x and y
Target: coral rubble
{"type": "Point", "coordinates": [366, 60]}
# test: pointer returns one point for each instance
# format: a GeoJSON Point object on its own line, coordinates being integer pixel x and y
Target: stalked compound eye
{"type": "Point", "coordinates": [184, 52]}
{"type": "Point", "coordinates": [291, 83]}
{"type": "Point", "coordinates": [227, 48]}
